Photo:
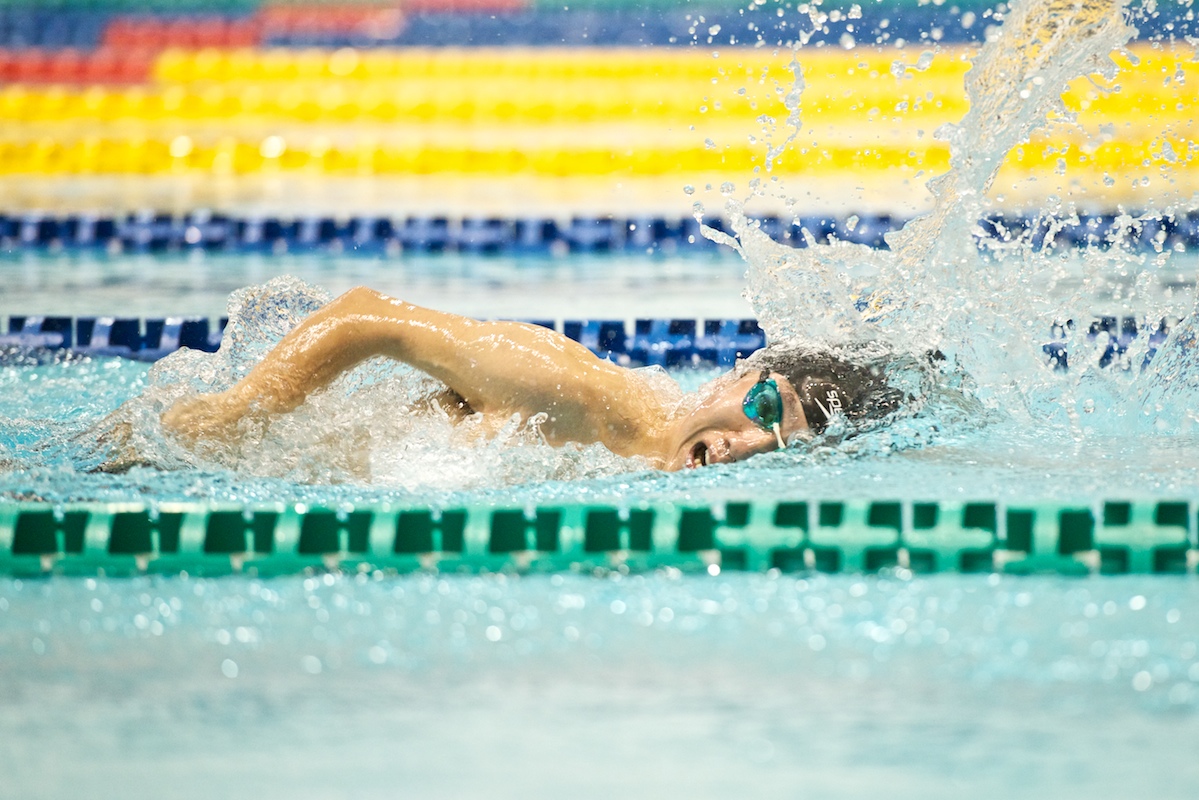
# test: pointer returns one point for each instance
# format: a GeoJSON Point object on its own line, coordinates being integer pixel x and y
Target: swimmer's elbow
{"type": "Point", "coordinates": [361, 294]}
{"type": "Point", "coordinates": [363, 300]}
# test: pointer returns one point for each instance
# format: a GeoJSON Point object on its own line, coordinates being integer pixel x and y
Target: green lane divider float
{"type": "Point", "coordinates": [852, 536]}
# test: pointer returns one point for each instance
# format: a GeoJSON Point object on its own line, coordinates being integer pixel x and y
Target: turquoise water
{"type": "Point", "coordinates": [51, 412]}
{"type": "Point", "coordinates": [571, 685]}
{"type": "Point", "coordinates": [199, 284]}
{"type": "Point", "coordinates": [584, 685]}
{"type": "Point", "coordinates": [658, 684]}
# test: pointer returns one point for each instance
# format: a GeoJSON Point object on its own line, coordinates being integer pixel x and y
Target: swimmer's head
{"type": "Point", "coordinates": [735, 416]}
{"type": "Point", "coordinates": [779, 396]}
{"type": "Point", "coordinates": [831, 389]}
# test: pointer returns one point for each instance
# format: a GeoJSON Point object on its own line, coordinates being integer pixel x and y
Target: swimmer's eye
{"type": "Point", "coordinates": [763, 404]}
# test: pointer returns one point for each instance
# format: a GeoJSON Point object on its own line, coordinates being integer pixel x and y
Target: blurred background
{"type": "Point", "coordinates": [492, 125]}
{"type": "Point", "coordinates": [550, 161]}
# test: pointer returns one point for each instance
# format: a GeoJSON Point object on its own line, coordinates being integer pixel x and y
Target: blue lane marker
{"type": "Point", "coordinates": [108, 336]}
{"type": "Point", "coordinates": [148, 232]}
{"type": "Point", "coordinates": [662, 342]}
{"type": "Point", "coordinates": [1119, 333]}
{"type": "Point", "coordinates": [722, 342]}
{"type": "Point", "coordinates": [37, 331]}
{"type": "Point", "coordinates": [605, 338]}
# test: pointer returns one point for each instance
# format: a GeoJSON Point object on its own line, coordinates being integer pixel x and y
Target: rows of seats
{"type": "Point", "coordinates": [366, 23]}
{"type": "Point", "coordinates": [424, 112]}
{"type": "Point", "coordinates": [884, 71]}
{"type": "Point", "coordinates": [352, 65]}
{"type": "Point", "coordinates": [194, 91]}
{"type": "Point", "coordinates": [515, 23]}
{"type": "Point", "coordinates": [494, 100]}
{"type": "Point", "coordinates": [499, 101]}
{"type": "Point", "coordinates": [553, 156]}
{"type": "Point", "coordinates": [101, 67]}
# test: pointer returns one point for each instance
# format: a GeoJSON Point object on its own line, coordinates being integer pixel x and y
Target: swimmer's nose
{"type": "Point", "coordinates": [752, 444]}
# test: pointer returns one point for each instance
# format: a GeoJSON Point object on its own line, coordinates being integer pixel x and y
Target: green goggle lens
{"type": "Point", "coordinates": [764, 405]}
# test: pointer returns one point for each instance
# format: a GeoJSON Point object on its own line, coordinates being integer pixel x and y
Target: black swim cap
{"type": "Point", "coordinates": [830, 386]}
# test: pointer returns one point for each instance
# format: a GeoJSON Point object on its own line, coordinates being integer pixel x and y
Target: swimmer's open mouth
{"type": "Point", "coordinates": [699, 455]}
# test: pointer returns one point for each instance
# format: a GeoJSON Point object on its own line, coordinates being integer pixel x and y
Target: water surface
{"type": "Point", "coordinates": [657, 685]}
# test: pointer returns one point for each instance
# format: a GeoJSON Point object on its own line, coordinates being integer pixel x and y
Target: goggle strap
{"type": "Point", "coordinates": [778, 434]}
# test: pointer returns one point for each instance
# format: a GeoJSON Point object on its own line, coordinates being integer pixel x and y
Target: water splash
{"type": "Point", "coordinates": [380, 423]}
{"type": "Point", "coordinates": [989, 312]}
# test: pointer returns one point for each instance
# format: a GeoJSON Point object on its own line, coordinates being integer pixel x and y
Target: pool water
{"type": "Point", "coordinates": [586, 684]}
{"type": "Point", "coordinates": [707, 283]}
{"type": "Point", "coordinates": [50, 413]}
{"type": "Point", "coordinates": [658, 685]}
{"type": "Point", "coordinates": [663, 684]}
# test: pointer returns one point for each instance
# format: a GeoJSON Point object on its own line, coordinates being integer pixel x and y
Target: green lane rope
{"type": "Point", "coordinates": [852, 536]}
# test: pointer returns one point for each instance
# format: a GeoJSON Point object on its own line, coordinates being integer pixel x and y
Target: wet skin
{"type": "Point", "coordinates": [499, 369]}
{"type": "Point", "coordinates": [717, 431]}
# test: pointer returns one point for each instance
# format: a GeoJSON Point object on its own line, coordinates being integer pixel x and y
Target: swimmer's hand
{"type": "Point", "coordinates": [205, 417]}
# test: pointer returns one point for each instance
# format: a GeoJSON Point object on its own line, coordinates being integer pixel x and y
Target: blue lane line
{"type": "Point", "coordinates": [148, 232]}
{"type": "Point", "coordinates": [672, 343]}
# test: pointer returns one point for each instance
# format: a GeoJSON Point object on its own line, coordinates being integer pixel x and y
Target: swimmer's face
{"type": "Point", "coordinates": [719, 432]}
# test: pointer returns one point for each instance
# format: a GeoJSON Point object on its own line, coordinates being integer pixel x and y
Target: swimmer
{"type": "Point", "coordinates": [500, 369]}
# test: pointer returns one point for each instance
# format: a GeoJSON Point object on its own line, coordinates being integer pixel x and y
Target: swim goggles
{"type": "Point", "coordinates": [763, 405]}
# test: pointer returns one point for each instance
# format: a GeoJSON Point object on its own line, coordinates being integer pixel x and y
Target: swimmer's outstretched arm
{"type": "Point", "coordinates": [497, 367]}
